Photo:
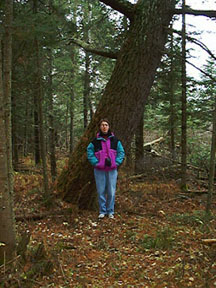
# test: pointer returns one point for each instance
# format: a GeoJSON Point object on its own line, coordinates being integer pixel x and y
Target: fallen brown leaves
{"type": "Point", "coordinates": [155, 239]}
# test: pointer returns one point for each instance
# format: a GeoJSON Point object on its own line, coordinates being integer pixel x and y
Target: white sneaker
{"type": "Point", "coordinates": [101, 216]}
{"type": "Point", "coordinates": [111, 216]}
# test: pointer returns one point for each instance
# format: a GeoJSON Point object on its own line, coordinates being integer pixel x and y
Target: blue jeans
{"type": "Point", "coordinates": [106, 187]}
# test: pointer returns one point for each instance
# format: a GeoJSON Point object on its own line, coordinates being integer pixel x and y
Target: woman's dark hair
{"type": "Point", "coordinates": [103, 120]}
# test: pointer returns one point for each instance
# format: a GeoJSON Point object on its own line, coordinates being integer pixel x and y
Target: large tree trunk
{"type": "Point", "coordinates": [7, 224]}
{"type": "Point", "coordinates": [125, 94]}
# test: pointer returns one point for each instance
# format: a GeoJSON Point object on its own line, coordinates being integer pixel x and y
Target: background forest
{"type": "Point", "coordinates": [71, 80]}
{"type": "Point", "coordinates": [56, 61]}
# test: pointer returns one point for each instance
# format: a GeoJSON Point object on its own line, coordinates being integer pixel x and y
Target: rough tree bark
{"type": "Point", "coordinates": [126, 92]}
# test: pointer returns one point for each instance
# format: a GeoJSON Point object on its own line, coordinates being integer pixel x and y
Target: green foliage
{"type": "Point", "coordinates": [164, 240]}
{"type": "Point", "coordinates": [198, 219]}
{"type": "Point", "coordinates": [53, 25]}
{"type": "Point", "coordinates": [157, 117]}
{"type": "Point", "coordinates": [199, 146]}
{"type": "Point", "coordinates": [131, 235]}
{"type": "Point", "coordinates": [199, 112]}
{"type": "Point", "coordinates": [166, 85]}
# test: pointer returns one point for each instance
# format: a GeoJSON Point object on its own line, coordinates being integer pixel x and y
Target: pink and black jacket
{"type": "Point", "coordinates": [100, 149]}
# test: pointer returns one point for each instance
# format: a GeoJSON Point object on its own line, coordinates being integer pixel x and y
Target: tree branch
{"type": "Point", "coordinates": [89, 48]}
{"type": "Point", "coordinates": [122, 6]}
{"type": "Point", "coordinates": [197, 42]}
{"type": "Point", "coordinates": [202, 71]}
{"type": "Point", "coordinates": [203, 46]}
{"type": "Point", "coordinates": [207, 13]}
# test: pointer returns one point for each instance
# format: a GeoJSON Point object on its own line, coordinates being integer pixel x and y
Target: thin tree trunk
{"type": "Point", "coordinates": [66, 124]}
{"type": "Point", "coordinates": [71, 103]}
{"type": "Point", "coordinates": [41, 124]}
{"type": "Point", "coordinates": [72, 87]}
{"type": "Point", "coordinates": [7, 223]}
{"type": "Point", "coordinates": [86, 92]}
{"type": "Point", "coordinates": [7, 70]}
{"type": "Point", "coordinates": [212, 162]}
{"type": "Point", "coordinates": [184, 106]}
{"type": "Point", "coordinates": [51, 121]}
{"type": "Point", "coordinates": [139, 152]}
{"type": "Point", "coordinates": [39, 98]}
{"type": "Point", "coordinates": [52, 142]}
{"type": "Point", "coordinates": [90, 108]}
{"type": "Point", "coordinates": [71, 120]}
{"type": "Point", "coordinates": [125, 94]}
{"type": "Point", "coordinates": [86, 89]}
{"type": "Point", "coordinates": [37, 152]}
{"type": "Point", "coordinates": [36, 131]}
{"type": "Point", "coordinates": [26, 126]}
{"type": "Point", "coordinates": [15, 153]}
{"type": "Point", "coordinates": [172, 109]}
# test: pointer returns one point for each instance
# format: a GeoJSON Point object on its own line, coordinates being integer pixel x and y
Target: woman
{"type": "Point", "coordinates": [105, 153]}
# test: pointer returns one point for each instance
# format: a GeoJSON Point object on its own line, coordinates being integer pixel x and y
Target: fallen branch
{"type": "Point", "coordinates": [148, 146]}
{"type": "Point", "coordinates": [133, 177]}
{"type": "Point", "coordinates": [197, 191]}
{"type": "Point", "coordinates": [209, 241]}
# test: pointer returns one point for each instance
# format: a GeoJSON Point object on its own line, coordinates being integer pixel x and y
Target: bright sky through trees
{"type": "Point", "coordinates": [207, 29]}
{"type": "Point", "coordinates": [205, 26]}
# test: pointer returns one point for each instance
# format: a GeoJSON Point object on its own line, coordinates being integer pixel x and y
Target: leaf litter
{"type": "Point", "coordinates": [155, 239]}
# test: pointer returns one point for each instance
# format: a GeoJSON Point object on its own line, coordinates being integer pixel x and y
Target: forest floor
{"type": "Point", "coordinates": [155, 239]}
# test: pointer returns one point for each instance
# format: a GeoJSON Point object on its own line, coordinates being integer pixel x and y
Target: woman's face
{"type": "Point", "coordinates": [104, 127]}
